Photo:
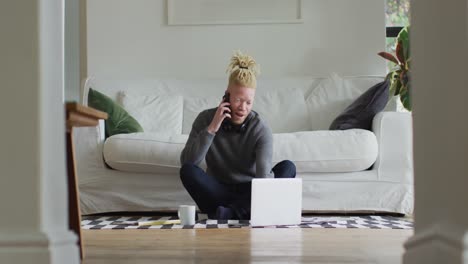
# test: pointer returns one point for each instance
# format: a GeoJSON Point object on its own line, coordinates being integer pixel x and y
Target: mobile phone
{"type": "Point", "coordinates": [226, 98]}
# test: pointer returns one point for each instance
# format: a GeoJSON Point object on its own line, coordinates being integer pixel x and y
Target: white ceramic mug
{"type": "Point", "coordinates": [186, 214]}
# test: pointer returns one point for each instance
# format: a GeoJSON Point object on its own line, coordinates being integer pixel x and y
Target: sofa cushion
{"type": "Point", "coordinates": [324, 100]}
{"type": "Point", "coordinates": [145, 152]}
{"type": "Point", "coordinates": [328, 100]}
{"type": "Point", "coordinates": [156, 113]}
{"type": "Point", "coordinates": [332, 96]}
{"type": "Point", "coordinates": [193, 107]}
{"type": "Point", "coordinates": [362, 111]}
{"type": "Point", "coordinates": [284, 110]}
{"type": "Point", "coordinates": [119, 120]}
{"type": "Point", "coordinates": [327, 151]}
{"type": "Point", "coordinates": [311, 151]}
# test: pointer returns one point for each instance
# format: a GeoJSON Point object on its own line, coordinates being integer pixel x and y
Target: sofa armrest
{"type": "Point", "coordinates": [89, 142]}
{"type": "Point", "coordinates": [84, 90]}
{"type": "Point", "coordinates": [394, 132]}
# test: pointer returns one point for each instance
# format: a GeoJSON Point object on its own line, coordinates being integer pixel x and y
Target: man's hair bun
{"type": "Point", "coordinates": [243, 70]}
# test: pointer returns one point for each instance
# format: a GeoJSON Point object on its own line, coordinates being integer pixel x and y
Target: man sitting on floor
{"type": "Point", "coordinates": [237, 145]}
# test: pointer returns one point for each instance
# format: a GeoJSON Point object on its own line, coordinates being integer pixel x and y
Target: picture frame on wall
{"type": "Point", "coordinates": [228, 12]}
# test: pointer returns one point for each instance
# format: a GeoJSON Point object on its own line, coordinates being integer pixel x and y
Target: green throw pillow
{"type": "Point", "coordinates": [119, 121]}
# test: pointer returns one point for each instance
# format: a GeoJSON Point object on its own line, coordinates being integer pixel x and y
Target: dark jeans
{"type": "Point", "coordinates": [208, 193]}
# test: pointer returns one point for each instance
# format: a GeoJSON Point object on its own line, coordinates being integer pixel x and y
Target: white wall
{"type": "Point", "coordinates": [72, 50]}
{"type": "Point", "coordinates": [131, 39]}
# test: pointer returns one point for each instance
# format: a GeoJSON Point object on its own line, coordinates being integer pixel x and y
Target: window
{"type": "Point", "coordinates": [397, 13]}
{"type": "Point", "coordinates": [397, 16]}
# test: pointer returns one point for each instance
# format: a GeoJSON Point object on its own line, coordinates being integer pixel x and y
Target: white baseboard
{"type": "Point", "coordinates": [437, 245]}
{"type": "Point", "coordinates": [34, 246]}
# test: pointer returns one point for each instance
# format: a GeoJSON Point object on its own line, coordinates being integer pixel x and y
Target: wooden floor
{"type": "Point", "coordinates": [245, 246]}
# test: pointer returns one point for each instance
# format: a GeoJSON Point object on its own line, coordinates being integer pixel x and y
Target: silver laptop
{"type": "Point", "coordinates": [276, 202]}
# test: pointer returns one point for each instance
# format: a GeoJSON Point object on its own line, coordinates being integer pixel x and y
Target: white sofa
{"type": "Point", "coordinates": [345, 171]}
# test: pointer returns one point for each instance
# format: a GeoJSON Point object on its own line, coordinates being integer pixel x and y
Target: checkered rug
{"type": "Point", "coordinates": [129, 222]}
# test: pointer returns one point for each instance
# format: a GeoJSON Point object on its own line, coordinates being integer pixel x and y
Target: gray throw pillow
{"type": "Point", "coordinates": [362, 111]}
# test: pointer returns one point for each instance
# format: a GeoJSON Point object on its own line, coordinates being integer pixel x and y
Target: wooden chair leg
{"type": "Point", "coordinates": [74, 214]}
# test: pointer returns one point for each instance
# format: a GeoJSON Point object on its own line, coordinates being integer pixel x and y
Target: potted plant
{"type": "Point", "coordinates": [399, 76]}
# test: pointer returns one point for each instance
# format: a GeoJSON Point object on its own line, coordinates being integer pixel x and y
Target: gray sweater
{"type": "Point", "coordinates": [231, 157]}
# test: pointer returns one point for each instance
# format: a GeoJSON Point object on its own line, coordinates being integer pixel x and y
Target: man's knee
{"type": "Point", "coordinates": [287, 169]}
{"type": "Point", "coordinates": [288, 164]}
{"type": "Point", "coordinates": [187, 169]}
{"type": "Point", "coordinates": [190, 172]}
{"type": "Point", "coordinates": [291, 165]}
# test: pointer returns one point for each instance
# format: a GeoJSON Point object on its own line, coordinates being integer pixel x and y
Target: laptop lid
{"type": "Point", "coordinates": [276, 202]}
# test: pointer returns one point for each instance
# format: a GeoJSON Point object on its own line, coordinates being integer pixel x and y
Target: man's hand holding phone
{"type": "Point", "coordinates": [223, 111]}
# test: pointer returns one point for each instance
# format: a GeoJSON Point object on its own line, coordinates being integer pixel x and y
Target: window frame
{"type": "Point", "coordinates": [392, 32]}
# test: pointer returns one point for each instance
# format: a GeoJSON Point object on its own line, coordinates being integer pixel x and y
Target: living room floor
{"type": "Point", "coordinates": [245, 245]}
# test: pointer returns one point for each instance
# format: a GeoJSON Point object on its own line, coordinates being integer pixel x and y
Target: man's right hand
{"type": "Point", "coordinates": [219, 117]}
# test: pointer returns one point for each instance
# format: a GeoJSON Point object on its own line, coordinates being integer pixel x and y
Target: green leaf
{"type": "Point", "coordinates": [389, 76]}
{"type": "Point", "coordinates": [408, 84]}
{"type": "Point", "coordinates": [395, 85]}
{"type": "Point", "coordinates": [408, 64]}
{"type": "Point", "coordinates": [391, 82]}
{"type": "Point", "coordinates": [405, 99]}
{"type": "Point", "coordinates": [403, 37]}
{"type": "Point", "coordinates": [392, 89]}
